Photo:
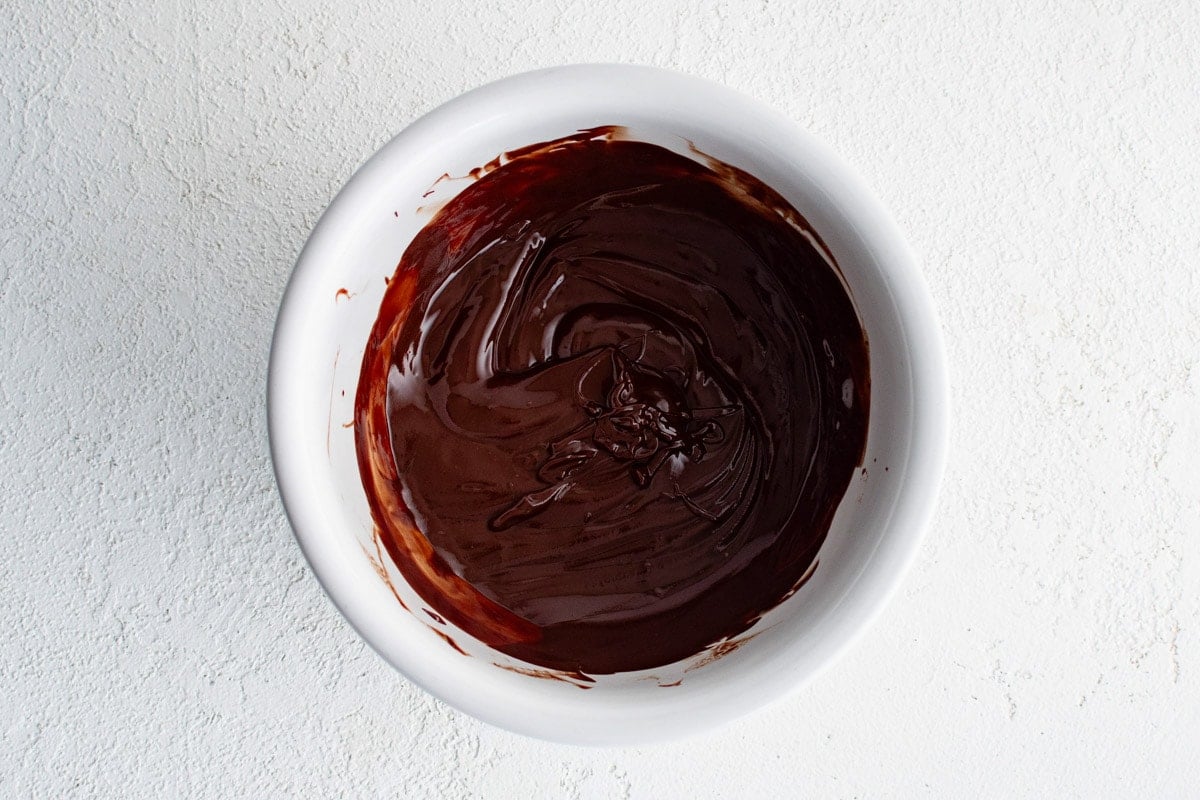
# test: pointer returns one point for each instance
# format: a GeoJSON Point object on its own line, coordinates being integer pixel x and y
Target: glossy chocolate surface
{"type": "Point", "coordinates": [610, 405]}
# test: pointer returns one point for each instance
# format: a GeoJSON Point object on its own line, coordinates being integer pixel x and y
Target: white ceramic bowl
{"type": "Point", "coordinates": [317, 353]}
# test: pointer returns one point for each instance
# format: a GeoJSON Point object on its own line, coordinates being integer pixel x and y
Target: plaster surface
{"type": "Point", "coordinates": [161, 166]}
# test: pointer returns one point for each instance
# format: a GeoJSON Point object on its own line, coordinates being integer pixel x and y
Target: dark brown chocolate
{"type": "Point", "coordinates": [611, 403]}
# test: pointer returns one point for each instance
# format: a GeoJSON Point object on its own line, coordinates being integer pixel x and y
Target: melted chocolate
{"type": "Point", "coordinates": [610, 405]}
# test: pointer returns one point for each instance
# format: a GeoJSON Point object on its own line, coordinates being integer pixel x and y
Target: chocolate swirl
{"type": "Point", "coordinates": [611, 403]}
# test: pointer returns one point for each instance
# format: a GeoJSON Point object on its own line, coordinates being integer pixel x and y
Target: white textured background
{"type": "Point", "coordinates": [160, 634]}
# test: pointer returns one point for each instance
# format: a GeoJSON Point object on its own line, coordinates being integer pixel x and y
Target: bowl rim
{"type": "Point", "coordinates": [898, 545]}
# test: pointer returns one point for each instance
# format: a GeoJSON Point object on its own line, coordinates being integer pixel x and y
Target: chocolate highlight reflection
{"type": "Point", "coordinates": [610, 405]}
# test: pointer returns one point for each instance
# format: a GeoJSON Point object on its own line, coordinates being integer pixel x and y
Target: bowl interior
{"type": "Point", "coordinates": [332, 302]}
